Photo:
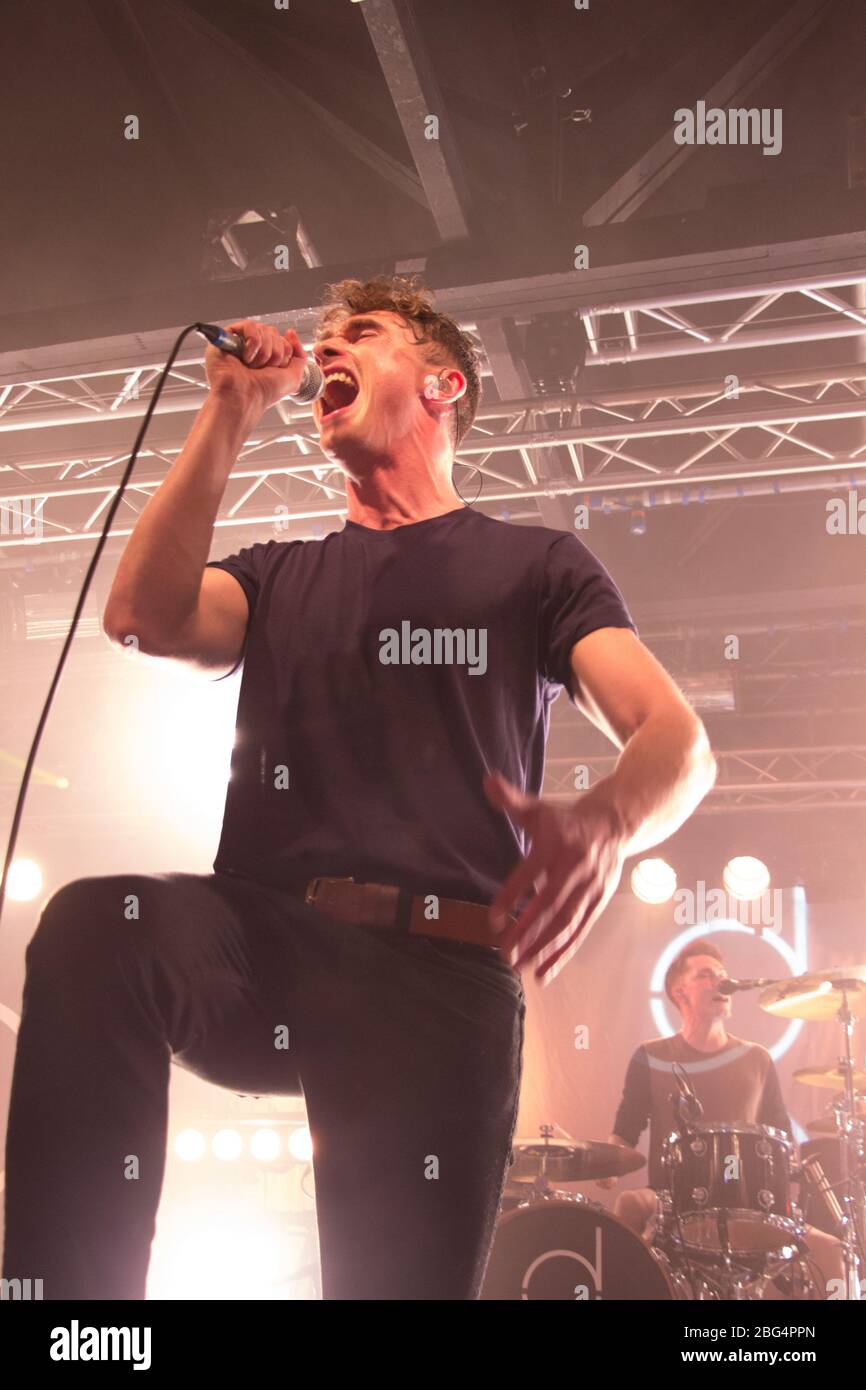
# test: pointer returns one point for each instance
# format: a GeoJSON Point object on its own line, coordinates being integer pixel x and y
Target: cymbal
{"type": "Point", "coordinates": [817, 996]}
{"type": "Point", "coordinates": [830, 1078]}
{"type": "Point", "coordinates": [579, 1161]}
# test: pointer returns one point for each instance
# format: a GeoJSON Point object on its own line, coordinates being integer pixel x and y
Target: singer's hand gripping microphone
{"type": "Point", "coordinates": [312, 382]}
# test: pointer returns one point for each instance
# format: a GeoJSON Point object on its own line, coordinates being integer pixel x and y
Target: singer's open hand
{"type": "Point", "coordinates": [272, 367]}
{"type": "Point", "coordinates": [575, 861]}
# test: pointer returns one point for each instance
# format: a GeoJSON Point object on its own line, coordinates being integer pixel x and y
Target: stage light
{"type": "Point", "coordinates": [227, 1144]}
{"type": "Point", "coordinates": [220, 1252]}
{"type": "Point", "coordinates": [265, 1144]}
{"type": "Point", "coordinates": [746, 878]}
{"type": "Point", "coordinates": [257, 241]}
{"type": "Point", "coordinates": [301, 1144]}
{"type": "Point", "coordinates": [188, 750]}
{"type": "Point", "coordinates": [189, 1145]}
{"type": "Point", "coordinates": [24, 881]}
{"type": "Point", "coordinates": [653, 881]}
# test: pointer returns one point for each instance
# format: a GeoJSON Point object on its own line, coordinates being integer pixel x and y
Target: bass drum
{"type": "Point", "coordinates": [572, 1249]}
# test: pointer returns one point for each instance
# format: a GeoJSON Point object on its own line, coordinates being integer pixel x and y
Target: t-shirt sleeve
{"type": "Point", "coordinates": [773, 1110]}
{"type": "Point", "coordinates": [247, 567]}
{"type": "Point", "coordinates": [633, 1114]}
{"type": "Point", "coordinates": [578, 596]}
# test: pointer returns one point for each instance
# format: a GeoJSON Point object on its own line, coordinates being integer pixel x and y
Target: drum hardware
{"type": "Point", "coordinates": [829, 1124]}
{"type": "Point", "coordinates": [554, 1244]}
{"type": "Point", "coordinates": [721, 1234]}
{"type": "Point", "coordinates": [730, 1188]}
{"type": "Point", "coordinates": [711, 1274]}
{"type": "Point", "coordinates": [668, 1238]}
{"type": "Point", "coordinates": [538, 1168]}
{"type": "Point", "coordinates": [813, 1171]}
{"type": "Point", "coordinates": [840, 995]}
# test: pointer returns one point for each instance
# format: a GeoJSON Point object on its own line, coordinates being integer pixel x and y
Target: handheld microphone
{"type": "Point", "coordinates": [733, 986]}
{"type": "Point", "coordinates": [312, 382]}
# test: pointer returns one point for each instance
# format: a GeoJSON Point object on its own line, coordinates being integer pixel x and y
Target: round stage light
{"type": "Point", "coordinates": [190, 1145]}
{"type": "Point", "coordinates": [227, 1144]}
{"type": "Point", "coordinates": [24, 881]}
{"type": "Point", "coordinates": [653, 881]}
{"type": "Point", "coordinates": [301, 1144]}
{"type": "Point", "coordinates": [746, 878]}
{"type": "Point", "coordinates": [265, 1145]}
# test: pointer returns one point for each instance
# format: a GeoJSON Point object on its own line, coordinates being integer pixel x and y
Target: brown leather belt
{"type": "Point", "coordinates": [386, 907]}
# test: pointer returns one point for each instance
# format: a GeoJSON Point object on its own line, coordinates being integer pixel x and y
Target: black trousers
{"type": "Point", "coordinates": [407, 1050]}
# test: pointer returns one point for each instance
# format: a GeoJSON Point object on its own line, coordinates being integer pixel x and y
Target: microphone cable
{"type": "Point", "coordinates": [213, 334]}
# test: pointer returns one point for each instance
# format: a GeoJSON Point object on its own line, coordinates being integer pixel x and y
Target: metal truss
{"type": "Point", "coordinates": [778, 779]}
{"type": "Point", "coordinates": [627, 449]}
{"type": "Point", "coordinates": [730, 434]}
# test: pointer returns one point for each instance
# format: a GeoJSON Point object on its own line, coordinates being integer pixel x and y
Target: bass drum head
{"type": "Point", "coordinates": [574, 1251]}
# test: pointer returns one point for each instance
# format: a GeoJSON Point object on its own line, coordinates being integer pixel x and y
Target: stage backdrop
{"type": "Point", "coordinates": [582, 1029]}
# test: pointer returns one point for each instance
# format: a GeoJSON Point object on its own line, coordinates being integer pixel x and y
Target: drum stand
{"type": "Point", "coordinates": [851, 1149]}
{"type": "Point", "coordinates": [720, 1271]}
{"type": "Point", "coordinates": [721, 1274]}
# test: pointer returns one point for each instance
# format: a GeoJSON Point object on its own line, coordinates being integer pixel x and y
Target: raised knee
{"type": "Point", "coordinates": [76, 919]}
{"type": "Point", "coordinates": [627, 1207]}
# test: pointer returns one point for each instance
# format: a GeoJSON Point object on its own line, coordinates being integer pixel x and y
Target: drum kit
{"type": "Point", "coordinates": [727, 1225]}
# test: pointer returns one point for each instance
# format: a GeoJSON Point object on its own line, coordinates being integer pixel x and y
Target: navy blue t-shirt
{"type": "Point", "coordinates": [384, 673]}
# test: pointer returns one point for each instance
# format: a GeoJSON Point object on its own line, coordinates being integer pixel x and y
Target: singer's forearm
{"type": "Point", "coordinates": [157, 582]}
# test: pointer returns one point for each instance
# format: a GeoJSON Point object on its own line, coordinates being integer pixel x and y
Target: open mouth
{"type": "Point", "coordinates": [341, 391]}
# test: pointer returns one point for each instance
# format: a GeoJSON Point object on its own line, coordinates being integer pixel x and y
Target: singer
{"type": "Point", "coordinates": [382, 836]}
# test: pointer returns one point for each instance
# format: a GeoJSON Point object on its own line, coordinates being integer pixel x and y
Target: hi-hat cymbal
{"type": "Point", "coordinates": [830, 1078]}
{"type": "Point", "coordinates": [819, 995]}
{"type": "Point", "coordinates": [579, 1161]}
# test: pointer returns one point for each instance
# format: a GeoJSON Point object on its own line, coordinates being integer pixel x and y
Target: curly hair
{"type": "Point", "coordinates": [447, 344]}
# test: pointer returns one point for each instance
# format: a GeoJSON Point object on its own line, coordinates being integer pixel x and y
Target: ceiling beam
{"type": "Point", "coordinates": [398, 174]}
{"type": "Point", "coordinates": [663, 158]}
{"type": "Point", "coordinates": [417, 96]}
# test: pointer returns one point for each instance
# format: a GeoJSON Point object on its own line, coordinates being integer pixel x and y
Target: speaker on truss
{"type": "Point", "coordinates": [553, 348]}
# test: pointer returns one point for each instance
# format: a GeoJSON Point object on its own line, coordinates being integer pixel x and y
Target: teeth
{"type": "Point", "coordinates": [340, 376]}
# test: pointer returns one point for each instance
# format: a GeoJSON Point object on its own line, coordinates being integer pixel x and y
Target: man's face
{"type": "Point", "coordinates": [700, 988]}
{"type": "Point", "coordinates": [378, 351]}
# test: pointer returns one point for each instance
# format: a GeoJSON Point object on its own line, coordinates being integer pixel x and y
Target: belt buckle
{"type": "Point", "coordinates": [364, 904]}
{"type": "Point", "coordinates": [314, 896]}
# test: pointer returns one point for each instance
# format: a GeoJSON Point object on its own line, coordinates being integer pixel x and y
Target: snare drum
{"type": "Point", "coordinates": [730, 1187]}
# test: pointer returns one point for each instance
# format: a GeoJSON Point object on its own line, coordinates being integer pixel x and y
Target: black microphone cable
{"type": "Point", "coordinates": [85, 589]}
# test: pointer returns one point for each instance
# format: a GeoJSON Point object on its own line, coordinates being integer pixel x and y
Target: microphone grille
{"type": "Point", "coordinates": [312, 384]}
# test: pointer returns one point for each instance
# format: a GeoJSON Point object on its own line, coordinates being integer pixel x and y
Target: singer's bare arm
{"type": "Point", "coordinates": [163, 601]}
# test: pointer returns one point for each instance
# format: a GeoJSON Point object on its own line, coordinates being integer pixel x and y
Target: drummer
{"type": "Point", "coordinates": [735, 1081]}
